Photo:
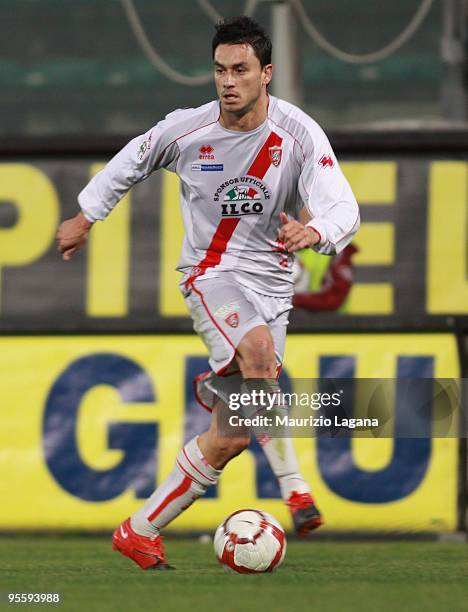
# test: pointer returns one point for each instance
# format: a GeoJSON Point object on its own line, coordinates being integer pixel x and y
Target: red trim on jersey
{"type": "Point", "coordinates": [183, 136]}
{"type": "Point", "coordinates": [187, 134]}
{"type": "Point", "coordinates": [219, 243]}
{"type": "Point", "coordinates": [216, 249]}
{"type": "Point", "coordinates": [262, 162]}
{"type": "Point", "coordinates": [181, 489]}
{"type": "Point", "coordinates": [293, 137]}
{"type": "Point", "coordinates": [350, 231]}
{"type": "Point", "coordinates": [226, 227]}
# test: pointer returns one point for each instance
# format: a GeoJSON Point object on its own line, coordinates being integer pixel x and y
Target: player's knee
{"type": "Point", "coordinates": [257, 357]}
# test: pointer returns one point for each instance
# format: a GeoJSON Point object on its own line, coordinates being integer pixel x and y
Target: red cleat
{"type": "Point", "coordinates": [148, 553]}
{"type": "Point", "coordinates": [305, 513]}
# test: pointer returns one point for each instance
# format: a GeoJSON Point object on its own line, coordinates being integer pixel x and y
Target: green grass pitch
{"type": "Point", "coordinates": [316, 575]}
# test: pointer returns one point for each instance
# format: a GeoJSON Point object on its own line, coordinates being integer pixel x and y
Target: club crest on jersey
{"type": "Point", "coordinates": [275, 155]}
{"type": "Point", "coordinates": [233, 319]}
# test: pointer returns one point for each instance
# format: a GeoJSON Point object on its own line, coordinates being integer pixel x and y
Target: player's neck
{"type": "Point", "coordinates": [247, 121]}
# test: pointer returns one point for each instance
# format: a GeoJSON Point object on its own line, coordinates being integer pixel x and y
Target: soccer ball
{"type": "Point", "coordinates": [250, 542]}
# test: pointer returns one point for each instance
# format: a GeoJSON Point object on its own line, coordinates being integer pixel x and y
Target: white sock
{"type": "Point", "coordinates": [190, 478]}
{"type": "Point", "coordinates": [283, 461]}
{"type": "Point", "coordinates": [279, 451]}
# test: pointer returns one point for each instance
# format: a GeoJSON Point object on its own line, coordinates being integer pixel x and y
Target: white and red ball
{"type": "Point", "coordinates": [249, 542]}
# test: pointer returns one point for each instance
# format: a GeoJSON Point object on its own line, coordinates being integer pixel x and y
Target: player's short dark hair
{"type": "Point", "coordinates": [241, 30]}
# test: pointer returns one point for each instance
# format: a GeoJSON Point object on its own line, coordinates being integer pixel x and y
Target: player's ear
{"type": "Point", "coordinates": [267, 73]}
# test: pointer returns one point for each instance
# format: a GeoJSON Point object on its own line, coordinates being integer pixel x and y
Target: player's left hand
{"type": "Point", "coordinates": [296, 236]}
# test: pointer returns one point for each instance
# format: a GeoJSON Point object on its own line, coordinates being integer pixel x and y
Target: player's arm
{"type": "Point", "coordinates": [134, 163]}
{"type": "Point", "coordinates": [328, 198]}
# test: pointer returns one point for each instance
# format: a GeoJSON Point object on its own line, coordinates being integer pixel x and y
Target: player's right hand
{"type": "Point", "coordinates": [72, 235]}
{"type": "Point", "coordinates": [295, 236]}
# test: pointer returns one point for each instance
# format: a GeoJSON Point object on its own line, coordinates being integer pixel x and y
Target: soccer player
{"type": "Point", "coordinates": [248, 163]}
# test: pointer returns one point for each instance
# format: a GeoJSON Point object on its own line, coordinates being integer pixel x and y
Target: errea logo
{"type": "Point", "coordinates": [206, 152]}
{"type": "Point", "coordinates": [326, 161]}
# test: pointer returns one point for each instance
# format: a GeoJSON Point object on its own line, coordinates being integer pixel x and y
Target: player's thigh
{"type": "Point", "coordinates": [222, 316]}
{"type": "Point", "coordinates": [265, 344]}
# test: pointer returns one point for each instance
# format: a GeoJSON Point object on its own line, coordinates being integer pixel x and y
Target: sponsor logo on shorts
{"type": "Point", "coordinates": [207, 167]}
{"type": "Point", "coordinates": [233, 319]}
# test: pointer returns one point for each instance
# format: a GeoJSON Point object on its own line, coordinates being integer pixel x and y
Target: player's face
{"type": "Point", "coordinates": [240, 79]}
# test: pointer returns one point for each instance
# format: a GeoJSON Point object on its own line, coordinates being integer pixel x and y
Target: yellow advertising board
{"type": "Point", "coordinates": [90, 424]}
{"type": "Point", "coordinates": [402, 278]}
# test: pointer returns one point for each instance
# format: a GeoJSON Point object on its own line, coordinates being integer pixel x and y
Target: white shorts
{"type": "Point", "coordinates": [223, 311]}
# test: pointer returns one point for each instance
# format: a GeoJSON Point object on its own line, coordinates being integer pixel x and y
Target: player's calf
{"type": "Point", "coordinates": [220, 444]}
{"type": "Point", "coordinates": [220, 450]}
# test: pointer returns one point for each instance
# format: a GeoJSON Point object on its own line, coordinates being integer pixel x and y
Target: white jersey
{"type": "Point", "coordinates": [233, 186]}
